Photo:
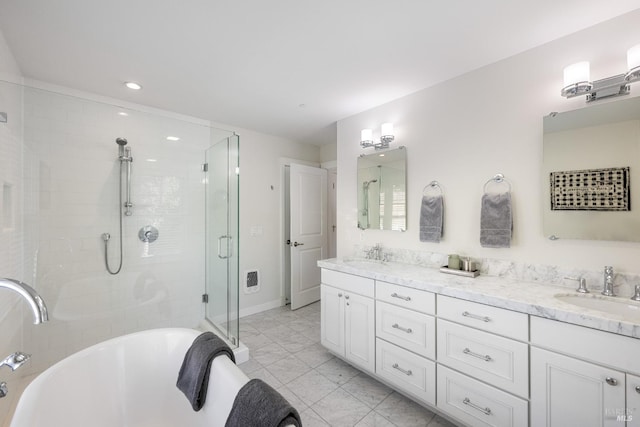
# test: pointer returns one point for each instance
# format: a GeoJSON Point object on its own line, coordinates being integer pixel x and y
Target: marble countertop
{"type": "Point", "coordinates": [526, 297]}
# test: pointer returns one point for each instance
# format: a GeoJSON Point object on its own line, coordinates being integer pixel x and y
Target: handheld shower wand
{"type": "Point", "coordinates": [124, 156]}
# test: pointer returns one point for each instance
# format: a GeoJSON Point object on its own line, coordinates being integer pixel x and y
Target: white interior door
{"type": "Point", "coordinates": [308, 233]}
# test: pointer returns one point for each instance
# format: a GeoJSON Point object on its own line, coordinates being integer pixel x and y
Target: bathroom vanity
{"type": "Point", "coordinates": [487, 351]}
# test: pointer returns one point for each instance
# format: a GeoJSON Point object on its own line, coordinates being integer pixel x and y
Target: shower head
{"type": "Point", "coordinates": [121, 141]}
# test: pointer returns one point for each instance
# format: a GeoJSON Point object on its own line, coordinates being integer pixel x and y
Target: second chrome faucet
{"type": "Point", "coordinates": [608, 282]}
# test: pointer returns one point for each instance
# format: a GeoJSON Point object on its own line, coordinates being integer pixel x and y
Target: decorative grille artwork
{"type": "Point", "coordinates": [591, 190]}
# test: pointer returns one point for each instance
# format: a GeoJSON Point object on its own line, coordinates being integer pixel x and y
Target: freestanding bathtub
{"type": "Point", "coordinates": [129, 381]}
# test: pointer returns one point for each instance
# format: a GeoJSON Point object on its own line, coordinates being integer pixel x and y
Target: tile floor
{"type": "Point", "coordinates": [285, 352]}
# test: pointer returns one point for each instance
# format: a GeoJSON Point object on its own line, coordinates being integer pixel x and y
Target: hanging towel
{"type": "Point", "coordinates": [496, 224]}
{"type": "Point", "coordinates": [257, 404]}
{"type": "Point", "coordinates": [431, 214]}
{"type": "Point", "coordinates": [193, 378]}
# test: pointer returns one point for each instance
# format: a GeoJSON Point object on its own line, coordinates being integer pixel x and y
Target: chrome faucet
{"type": "Point", "coordinates": [38, 307]}
{"type": "Point", "coordinates": [375, 252]}
{"type": "Point", "coordinates": [15, 360]}
{"type": "Point", "coordinates": [608, 282]}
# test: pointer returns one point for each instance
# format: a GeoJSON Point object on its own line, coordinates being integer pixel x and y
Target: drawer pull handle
{"type": "Point", "coordinates": [638, 389]}
{"type": "Point", "coordinates": [486, 357]}
{"type": "Point", "coordinates": [395, 295]}
{"type": "Point", "coordinates": [396, 326]}
{"type": "Point", "coordinates": [486, 411]}
{"type": "Point", "coordinates": [611, 381]}
{"type": "Point", "coordinates": [475, 316]}
{"type": "Point", "coordinates": [404, 371]}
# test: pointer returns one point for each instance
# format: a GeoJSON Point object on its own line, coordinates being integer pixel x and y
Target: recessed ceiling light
{"type": "Point", "coordinates": [152, 160]}
{"type": "Point", "coordinates": [173, 138]}
{"type": "Point", "coordinates": [122, 113]}
{"type": "Point", "coordinates": [302, 105]}
{"type": "Point", "coordinates": [133, 85]}
{"type": "Point", "coordinates": [381, 155]}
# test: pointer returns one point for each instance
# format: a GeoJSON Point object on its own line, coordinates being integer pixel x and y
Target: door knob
{"type": "Point", "coordinates": [296, 244]}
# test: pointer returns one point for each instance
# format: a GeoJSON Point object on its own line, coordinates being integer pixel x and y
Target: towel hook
{"type": "Point", "coordinates": [432, 184]}
{"type": "Point", "coordinates": [497, 178]}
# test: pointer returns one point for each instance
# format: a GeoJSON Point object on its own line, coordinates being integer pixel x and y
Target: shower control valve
{"type": "Point", "coordinates": [106, 237]}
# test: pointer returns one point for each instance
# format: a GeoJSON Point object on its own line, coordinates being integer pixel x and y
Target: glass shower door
{"type": "Point", "coordinates": [221, 216]}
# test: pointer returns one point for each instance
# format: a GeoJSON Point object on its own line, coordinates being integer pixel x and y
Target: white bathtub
{"type": "Point", "coordinates": [127, 381]}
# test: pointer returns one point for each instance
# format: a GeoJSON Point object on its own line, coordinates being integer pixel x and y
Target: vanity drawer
{"type": "Point", "coordinates": [414, 299]}
{"type": "Point", "coordinates": [409, 372]}
{"type": "Point", "coordinates": [492, 319]}
{"type": "Point", "coordinates": [348, 282]}
{"type": "Point", "coordinates": [499, 361]}
{"type": "Point", "coordinates": [478, 404]}
{"type": "Point", "coordinates": [408, 329]}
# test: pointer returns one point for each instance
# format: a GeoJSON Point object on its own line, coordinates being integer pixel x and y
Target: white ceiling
{"type": "Point", "coordinates": [252, 63]}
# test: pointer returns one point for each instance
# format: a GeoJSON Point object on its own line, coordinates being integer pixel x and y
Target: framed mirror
{"type": "Point", "coordinates": [382, 190]}
{"type": "Point", "coordinates": [591, 172]}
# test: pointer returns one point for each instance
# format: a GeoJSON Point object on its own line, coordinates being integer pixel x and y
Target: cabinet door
{"type": "Point", "coordinates": [570, 392]}
{"type": "Point", "coordinates": [633, 401]}
{"type": "Point", "coordinates": [359, 318]}
{"type": "Point", "coordinates": [332, 323]}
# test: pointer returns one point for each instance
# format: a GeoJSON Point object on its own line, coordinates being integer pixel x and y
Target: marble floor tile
{"type": "Point", "coordinates": [249, 366]}
{"type": "Point", "coordinates": [314, 355]}
{"type": "Point", "coordinates": [265, 376]}
{"type": "Point", "coordinates": [269, 354]}
{"type": "Point", "coordinates": [311, 419]}
{"type": "Point", "coordinates": [373, 419]}
{"type": "Point", "coordinates": [403, 412]}
{"type": "Point", "coordinates": [339, 408]}
{"type": "Point", "coordinates": [288, 369]}
{"type": "Point", "coordinates": [438, 421]}
{"type": "Point", "coordinates": [337, 371]}
{"type": "Point", "coordinates": [292, 398]}
{"type": "Point", "coordinates": [312, 387]}
{"type": "Point", "coordinates": [367, 390]}
{"type": "Point", "coordinates": [254, 342]}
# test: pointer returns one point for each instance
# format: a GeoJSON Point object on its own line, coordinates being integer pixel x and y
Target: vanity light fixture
{"type": "Point", "coordinates": [173, 138]}
{"type": "Point", "coordinates": [366, 137]}
{"type": "Point", "coordinates": [577, 80]}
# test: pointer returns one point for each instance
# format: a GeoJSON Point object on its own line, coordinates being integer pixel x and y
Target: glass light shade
{"type": "Point", "coordinates": [387, 129]}
{"type": "Point", "coordinates": [633, 57]}
{"type": "Point", "coordinates": [576, 73]}
{"type": "Point", "coordinates": [366, 135]}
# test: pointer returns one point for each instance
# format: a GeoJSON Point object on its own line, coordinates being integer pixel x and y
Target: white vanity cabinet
{"type": "Point", "coordinates": [583, 377]}
{"type": "Point", "coordinates": [483, 377]}
{"type": "Point", "coordinates": [347, 318]}
{"type": "Point", "coordinates": [405, 343]}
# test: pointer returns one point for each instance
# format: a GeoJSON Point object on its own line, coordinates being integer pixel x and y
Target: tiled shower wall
{"type": "Point", "coordinates": [71, 198]}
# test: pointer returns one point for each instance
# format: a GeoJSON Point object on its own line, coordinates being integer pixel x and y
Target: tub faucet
{"type": "Point", "coordinates": [15, 360]}
{"type": "Point", "coordinates": [608, 282]}
{"type": "Point", "coordinates": [38, 307]}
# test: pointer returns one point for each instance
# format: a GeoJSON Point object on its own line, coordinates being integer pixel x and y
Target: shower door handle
{"type": "Point", "coordinates": [229, 247]}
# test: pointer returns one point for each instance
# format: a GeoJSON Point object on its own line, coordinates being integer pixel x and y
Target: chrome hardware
{"type": "Point", "coordinates": [396, 326]}
{"type": "Point", "coordinates": [608, 282]}
{"type": "Point", "coordinates": [475, 316]}
{"type": "Point", "coordinates": [3, 389]}
{"type": "Point", "coordinates": [582, 284]}
{"type": "Point", "coordinates": [636, 295]}
{"type": "Point", "coordinates": [296, 244]}
{"type": "Point", "coordinates": [486, 411]}
{"type": "Point", "coordinates": [148, 234]}
{"type": "Point", "coordinates": [404, 371]}
{"type": "Point", "coordinates": [611, 381]}
{"type": "Point", "coordinates": [395, 295]}
{"type": "Point", "coordinates": [346, 297]}
{"type": "Point", "coordinates": [486, 357]}
{"type": "Point", "coordinates": [38, 307]}
{"type": "Point", "coordinates": [229, 247]}
{"type": "Point", "coordinates": [348, 304]}
{"type": "Point", "coordinates": [15, 360]}
{"type": "Point", "coordinates": [637, 389]}
{"type": "Point", "coordinates": [340, 295]}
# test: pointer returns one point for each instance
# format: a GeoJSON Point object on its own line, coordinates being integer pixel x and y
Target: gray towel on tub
{"type": "Point", "coordinates": [496, 223]}
{"type": "Point", "coordinates": [431, 214]}
{"type": "Point", "coordinates": [193, 378]}
{"type": "Point", "coordinates": [257, 404]}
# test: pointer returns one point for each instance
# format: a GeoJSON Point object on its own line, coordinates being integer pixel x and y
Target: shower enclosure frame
{"type": "Point", "coordinates": [222, 185]}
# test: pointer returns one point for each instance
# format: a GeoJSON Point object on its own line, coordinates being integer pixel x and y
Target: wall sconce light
{"type": "Point", "coordinates": [577, 79]}
{"type": "Point", "coordinates": [366, 137]}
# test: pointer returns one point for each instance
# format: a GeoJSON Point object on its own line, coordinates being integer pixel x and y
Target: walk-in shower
{"type": "Point", "coordinates": [125, 159]}
{"type": "Point", "coordinates": [365, 196]}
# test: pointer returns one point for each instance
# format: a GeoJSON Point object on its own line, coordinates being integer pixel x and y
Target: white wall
{"type": "Point", "coordinates": [261, 196]}
{"type": "Point", "coordinates": [465, 130]}
{"type": "Point", "coordinates": [13, 316]}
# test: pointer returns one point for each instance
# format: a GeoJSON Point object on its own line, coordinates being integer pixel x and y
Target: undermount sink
{"type": "Point", "coordinates": [362, 261]}
{"type": "Point", "coordinates": [619, 306]}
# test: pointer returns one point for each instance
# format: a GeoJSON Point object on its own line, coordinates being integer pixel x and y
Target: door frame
{"type": "Point", "coordinates": [285, 162]}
